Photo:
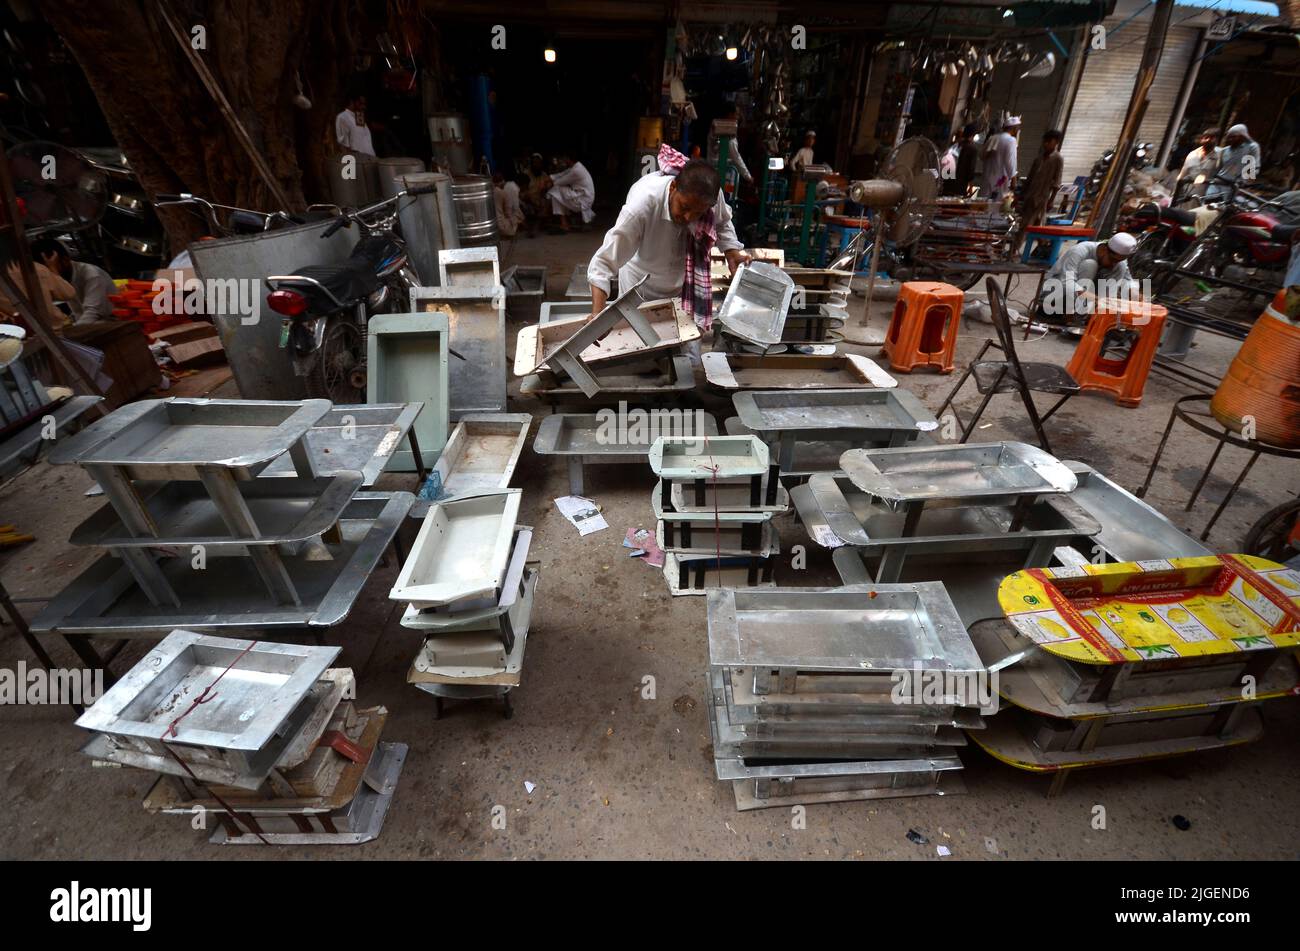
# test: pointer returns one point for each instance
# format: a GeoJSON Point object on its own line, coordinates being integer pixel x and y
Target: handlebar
{"type": "Point", "coordinates": [348, 215]}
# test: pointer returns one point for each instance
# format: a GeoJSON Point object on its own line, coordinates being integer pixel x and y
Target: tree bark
{"type": "Point", "coordinates": [166, 122]}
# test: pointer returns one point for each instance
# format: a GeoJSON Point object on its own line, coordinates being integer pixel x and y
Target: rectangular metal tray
{"type": "Point", "coordinates": [172, 438]}
{"type": "Point", "coordinates": [848, 630]}
{"type": "Point", "coordinates": [357, 437]}
{"type": "Point", "coordinates": [482, 452]}
{"type": "Point", "coordinates": [469, 268]}
{"type": "Point", "coordinates": [553, 310]}
{"type": "Point", "coordinates": [460, 552]}
{"type": "Point", "coordinates": [104, 599]}
{"type": "Point", "coordinates": [406, 358]}
{"type": "Point", "coordinates": [476, 322]}
{"type": "Point", "coordinates": [726, 537]}
{"type": "Point", "coordinates": [757, 302]}
{"type": "Point", "coordinates": [1131, 530]}
{"type": "Point", "coordinates": [715, 459]}
{"type": "Point", "coordinates": [853, 517]}
{"type": "Point", "coordinates": [468, 613]}
{"type": "Point", "coordinates": [592, 437]}
{"type": "Point", "coordinates": [729, 497]}
{"type": "Point", "coordinates": [996, 473]}
{"type": "Point", "coordinates": [674, 378]}
{"type": "Point", "coordinates": [792, 372]}
{"type": "Point", "coordinates": [870, 414]}
{"type": "Point", "coordinates": [284, 510]}
{"type": "Point", "coordinates": [525, 289]}
{"type": "Point", "coordinates": [248, 690]}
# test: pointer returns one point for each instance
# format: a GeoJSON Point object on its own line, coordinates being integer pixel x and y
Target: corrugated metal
{"type": "Point", "coordinates": [1107, 84]}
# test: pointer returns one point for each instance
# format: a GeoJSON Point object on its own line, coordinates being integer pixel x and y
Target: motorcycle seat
{"type": "Point", "coordinates": [349, 281]}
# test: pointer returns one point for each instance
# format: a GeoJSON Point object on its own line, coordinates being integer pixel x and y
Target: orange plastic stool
{"type": "Point", "coordinates": [1125, 378]}
{"type": "Point", "coordinates": [923, 329]}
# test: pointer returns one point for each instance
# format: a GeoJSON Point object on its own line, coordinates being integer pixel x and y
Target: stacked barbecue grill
{"type": "Point", "coordinates": [264, 737]}
{"type": "Point", "coordinates": [468, 588]}
{"type": "Point", "coordinates": [836, 694]}
{"type": "Point", "coordinates": [714, 504]}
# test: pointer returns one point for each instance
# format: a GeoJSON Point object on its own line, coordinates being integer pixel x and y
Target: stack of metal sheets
{"type": "Point", "coordinates": [261, 734]}
{"type": "Point", "coordinates": [834, 694]}
{"type": "Point", "coordinates": [192, 530]}
{"type": "Point", "coordinates": [468, 587]}
{"type": "Point", "coordinates": [714, 504]}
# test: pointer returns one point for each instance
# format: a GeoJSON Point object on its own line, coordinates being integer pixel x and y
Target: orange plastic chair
{"type": "Point", "coordinates": [1125, 377]}
{"type": "Point", "coordinates": [923, 329]}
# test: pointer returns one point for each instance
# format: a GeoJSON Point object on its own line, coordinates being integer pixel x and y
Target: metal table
{"type": "Point", "coordinates": [578, 438]}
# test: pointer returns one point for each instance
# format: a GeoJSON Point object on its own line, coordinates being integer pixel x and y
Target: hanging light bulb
{"type": "Point", "coordinates": [548, 54]}
{"type": "Point", "coordinates": [732, 52]}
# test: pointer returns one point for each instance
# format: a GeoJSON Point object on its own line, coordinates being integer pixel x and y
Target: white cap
{"type": "Point", "coordinates": [1239, 129]}
{"type": "Point", "coordinates": [1010, 122]}
{"type": "Point", "coordinates": [1122, 243]}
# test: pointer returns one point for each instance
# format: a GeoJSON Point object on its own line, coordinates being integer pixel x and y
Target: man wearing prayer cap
{"type": "Point", "coordinates": [1000, 160]}
{"type": "Point", "coordinates": [1088, 270]}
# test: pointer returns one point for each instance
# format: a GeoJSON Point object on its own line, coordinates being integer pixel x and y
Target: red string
{"type": "Point", "coordinates": [203, 697]}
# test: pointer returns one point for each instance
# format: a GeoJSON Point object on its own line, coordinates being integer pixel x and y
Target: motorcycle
{"type": "Point", "coordinates": [226, 221]}
{"type": "Point", "coordinates": [1144, 156]}
{"type": "Point", "coordinates": [325, 308]}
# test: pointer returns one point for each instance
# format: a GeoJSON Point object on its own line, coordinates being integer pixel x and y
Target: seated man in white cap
{"type": "Point", "coordinates": [1000, 160]}
{"type": "Point", "coordinates": [1089, 270]}
{"type": "Point", "coordinates": [1238, 162]}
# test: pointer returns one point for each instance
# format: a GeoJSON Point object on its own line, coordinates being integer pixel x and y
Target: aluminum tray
{"type": "Point", "coordinates": [1131, 530]}
{"type": "Point", "coordinates": [731, 743]}
{"type": "Point", "coordinates": [481, 453]}
{"type": "Point", "coordinates": [725, 538]}
{"type": "Point", "coordinates": [105, 599]}
{"type": "Point", "coordinates": [406, 358]}
{"type": "Point", "coordinates": [878, 415]}
{"type": "Point", "coordinates": [476, 323]}
{"type": "Point", "coordinates": [471, 613]}
{"type": "Point", "coordinates": [461, 551]}
{"type": "Point", "coordinates": [585, 439]}
{"type": "Point", "coordinates": [671, 380]}
{"type": "Point", "coordinates": [997, 473]}
{"type": "Point", "coordinates": [183, 514]}
{"type": "Point", "coordinates": [790, 372]}
{"type": "Point", "coordinates": [553, 310]}
{"type": "Point", "coordinates": [840, 630]}
{"type": "Point", "coordinates": [729, 497]}
{"type": "Point", "coordinates": [173, 438]}
{"type": "Point", "coordinates": [257, 686]}
{"type": "Point", "coordinates": [756, 303]}
{"type": "Point", "coordinates": [715, 459]}
{"type": "Point", "coordinates": [358, 437]}
{"type": "Point", "coordinates": [469, 268]}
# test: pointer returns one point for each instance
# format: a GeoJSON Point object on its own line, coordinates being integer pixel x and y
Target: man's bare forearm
{"type": "Point", "coordinates": [598, 299]}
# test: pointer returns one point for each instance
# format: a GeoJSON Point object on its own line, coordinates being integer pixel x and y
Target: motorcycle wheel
{"type": "Point", "coordinates": [1267, 538]}
{"type": "Point", "coordinates": [339, 373]}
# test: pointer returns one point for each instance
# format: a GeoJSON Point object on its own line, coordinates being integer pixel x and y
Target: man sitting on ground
{"type": "Point", "coordinates": [1085, 272]}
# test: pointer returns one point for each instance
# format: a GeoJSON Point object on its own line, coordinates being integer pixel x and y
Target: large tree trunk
{"type": "Point", "coordinates": [167, 123]}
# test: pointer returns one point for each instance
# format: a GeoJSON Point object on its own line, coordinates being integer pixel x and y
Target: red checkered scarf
{"type": "Point", "coordinates": [699, 237]}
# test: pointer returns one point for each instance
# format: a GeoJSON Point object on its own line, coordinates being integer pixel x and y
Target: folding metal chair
{"type": "Point", "coordinates": [1010, 375]}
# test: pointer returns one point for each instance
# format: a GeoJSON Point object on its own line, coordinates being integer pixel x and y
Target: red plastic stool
{"type": "Point", "coordinates": [1127, 377]}
{"type": "Point", "coordinates": [923, 329]}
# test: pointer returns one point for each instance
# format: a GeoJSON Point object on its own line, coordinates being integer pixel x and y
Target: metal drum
{"type": "Point", "coordinates": [449, 133]}
{"type": "Point", "coordinates": [476, 213]}
{"type": "Point", "coordinates": [389, 173]}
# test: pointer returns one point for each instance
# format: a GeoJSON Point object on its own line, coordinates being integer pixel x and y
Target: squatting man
{"type": "Point", "coordinates": [1086, 272]}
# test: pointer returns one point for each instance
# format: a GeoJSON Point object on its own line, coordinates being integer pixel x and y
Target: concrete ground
{"type": "Point", "coordinates": [617, 776]}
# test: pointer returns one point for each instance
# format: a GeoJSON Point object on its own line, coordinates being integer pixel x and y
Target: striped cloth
{"type": "Point", "coordinates": [699, 236]}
